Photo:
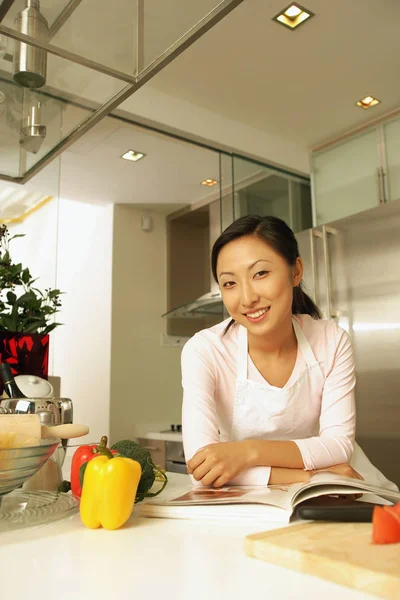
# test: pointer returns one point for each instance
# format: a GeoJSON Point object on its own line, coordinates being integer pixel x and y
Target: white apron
{"type": "Point", "coordinates": [263, 411]}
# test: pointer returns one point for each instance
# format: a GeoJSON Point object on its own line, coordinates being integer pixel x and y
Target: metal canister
{"type": "Point", "coordinates": [30, 63]}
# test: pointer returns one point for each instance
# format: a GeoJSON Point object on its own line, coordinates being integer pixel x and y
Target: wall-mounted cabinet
{"type": "Point", "coordinates": [356, 174]}
{"type": "Point", "coordinates": [262, 190]}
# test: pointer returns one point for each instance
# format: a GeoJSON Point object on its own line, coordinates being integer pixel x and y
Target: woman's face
{"type": "Point", "coordinates": [256, 284]}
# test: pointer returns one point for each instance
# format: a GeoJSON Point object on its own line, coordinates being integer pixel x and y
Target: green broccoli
{"type": "Point", "coordinates": [150, 472]}
{"type": "Point", "coordinates": [64, 487]}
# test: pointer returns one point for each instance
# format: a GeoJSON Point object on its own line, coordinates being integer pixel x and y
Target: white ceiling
{"type": "Point", "coordinates": [92, 169]}
{"type": "Point", "coordinates": [301, 84]}
{"type": "Point", "coordinates": [171, 173]}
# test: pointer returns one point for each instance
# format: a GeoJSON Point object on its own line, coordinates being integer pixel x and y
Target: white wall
{"type": "Point", "coordinates": [37, 250]}
{"type": "Point", "coordinates": [82, 351]}
{"type": "Point", "coordinates": [145, 377]}
{"type": "Point", "coordinates": [69, 245]}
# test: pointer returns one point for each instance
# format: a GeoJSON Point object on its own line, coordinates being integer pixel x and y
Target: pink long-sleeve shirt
{"type": "Point", "coordinates": [209, 371]}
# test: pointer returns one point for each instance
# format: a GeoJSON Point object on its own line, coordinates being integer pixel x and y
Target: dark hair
{"type": "Point", "coordinates": [281, 238]}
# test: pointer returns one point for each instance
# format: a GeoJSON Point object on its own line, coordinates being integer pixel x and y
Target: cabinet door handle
{"type": "Point", "coordinates": [325, 232]}
{"type": "Point", "coordinates": [383, 185]}
{"type": "Point", "coordinates": [314, 233]}
{"type": "Point", "coordinates": [380, 180]}
{"type": "Point", "coordinates": [151, 448]}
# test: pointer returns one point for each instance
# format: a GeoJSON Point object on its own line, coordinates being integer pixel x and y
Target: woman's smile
{"type": "Point", "coordinates": [257, 315]}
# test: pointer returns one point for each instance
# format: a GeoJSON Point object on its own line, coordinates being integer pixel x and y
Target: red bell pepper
{"type": "Point", "coordinates": [81, 457]}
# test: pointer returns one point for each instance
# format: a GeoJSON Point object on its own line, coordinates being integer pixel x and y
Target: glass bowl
{"type": "Point", "coordinates": [18, 464]}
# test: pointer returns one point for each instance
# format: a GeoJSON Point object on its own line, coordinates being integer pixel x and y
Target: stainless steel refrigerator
{"type": "Point", "coordinates": [352, 270]}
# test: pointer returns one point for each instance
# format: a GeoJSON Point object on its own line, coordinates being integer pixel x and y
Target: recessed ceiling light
{"type": "Point", "coordinates": [293, 15]}
{"type": "Point", "coordinates": [133, 155]}
{"type": "Point", "coordinates": [209, 182]}
{"type": "Point", "coordinates": [368, 102]}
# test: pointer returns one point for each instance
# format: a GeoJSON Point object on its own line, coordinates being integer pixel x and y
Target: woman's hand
{"type": "Point", "coordinates": [216, 464]}
{"type": "Point", "coordinates": [344, 470]}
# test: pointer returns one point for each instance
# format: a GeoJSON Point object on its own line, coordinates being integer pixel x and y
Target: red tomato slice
{"type": "Point", "coordinates": [385, 526]}
{"type": "Point", "coordinates": [393, 511]}
{"type": "Point", "coordinates": [396, 507]}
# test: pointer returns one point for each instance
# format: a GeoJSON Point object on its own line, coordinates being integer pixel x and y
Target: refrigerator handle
{"type": "Point", "coordinates": [381, 185]}
{"type": "Point", "coordinates": [325, 232]}
{"type": "Point", "coordinates": [314, 233]}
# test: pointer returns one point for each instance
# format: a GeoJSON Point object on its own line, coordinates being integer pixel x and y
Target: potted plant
{"type": "Point", "coordinates": [26, 315]}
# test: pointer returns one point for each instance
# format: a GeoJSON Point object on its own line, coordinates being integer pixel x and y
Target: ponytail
{"type": "Point", "coordinates": [303, 305]}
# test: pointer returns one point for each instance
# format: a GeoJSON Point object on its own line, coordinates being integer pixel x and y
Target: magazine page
{"type": "Point", "coordinates": [221, 513]}
{"type": "Point", "coordinates": [180, 492]}
{"type": "Point", "coordinates": [178, 502]}
{"type": "Point", "coordinates": [325, 483]}
{"type": "Point", "coordinates": [273, 495]}
{"type": "Point", "coordinates": [181, 500]}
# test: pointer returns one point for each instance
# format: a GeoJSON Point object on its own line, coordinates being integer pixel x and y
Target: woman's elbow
{"type": "Point", "coordinates": [348, 448]}
{"type": "Point", "coordinates": [341, 449]}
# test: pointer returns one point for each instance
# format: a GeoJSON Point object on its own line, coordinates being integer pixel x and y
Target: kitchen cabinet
{"type": "Point", "coordinates": [347, 178]}
{"type": "Point", "coordinates": [156, 449]}
{"type": "Point", "coordinates": [356, 174]}
{"type": "Point", "coordinates": [259, 190]}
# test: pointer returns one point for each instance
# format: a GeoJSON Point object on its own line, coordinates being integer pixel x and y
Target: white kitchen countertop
{"type": "Point", "coordinates": [149, 558]}
{"type": "Point", "coordinates": [171, 436]}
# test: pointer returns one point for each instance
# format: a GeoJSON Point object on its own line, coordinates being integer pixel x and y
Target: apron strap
{"type": "Point", "coordinates": [304, 345]}
{"type": "Point", "coordinates": [242, 352]}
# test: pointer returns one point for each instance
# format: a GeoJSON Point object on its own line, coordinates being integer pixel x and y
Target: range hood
{"type": "Point", "coordinates": [209, 304]}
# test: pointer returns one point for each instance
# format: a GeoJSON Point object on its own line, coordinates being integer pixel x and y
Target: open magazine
{"type": "Point", "coordinates": [181, 500]}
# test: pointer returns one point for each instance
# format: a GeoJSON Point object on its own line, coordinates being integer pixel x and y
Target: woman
{"type": "Point", "coordinates": [269, 393]}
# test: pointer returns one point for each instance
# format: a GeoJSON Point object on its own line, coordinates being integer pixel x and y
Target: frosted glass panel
{"type": "Point", "coordinates": [260, 191]}
{"type": "Point", "coordinates": [227, 202]}
{"type": "Point", "coordinates": [392, 142]}
{"type": "Point", "coordinates": [345, 178]}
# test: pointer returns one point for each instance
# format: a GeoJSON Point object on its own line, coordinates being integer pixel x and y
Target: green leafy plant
{"type": "Point", "coordinates": [23, 307]}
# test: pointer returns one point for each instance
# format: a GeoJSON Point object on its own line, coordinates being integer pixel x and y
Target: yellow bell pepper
{"type": "Point", "coordinates": [109, 490]}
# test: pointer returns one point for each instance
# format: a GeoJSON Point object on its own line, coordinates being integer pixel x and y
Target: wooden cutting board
{"type": "Point", "coordinates": [339, 552]}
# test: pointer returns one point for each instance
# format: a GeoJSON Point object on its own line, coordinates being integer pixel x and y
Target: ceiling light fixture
{"type": "Point", "coordinates": [132, 155]}
{"type": "Point", "coordinates": [209, 182]}
{"type": "Point", "coordinates": [293, 15]}
{"type": "Point", "coordinates": [367, 102]}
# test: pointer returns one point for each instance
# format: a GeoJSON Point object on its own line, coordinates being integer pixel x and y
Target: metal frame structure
{"type": "Point", "coordinates": [134, 82]}
{"type": "Point", "coordinates": [5, 6]}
